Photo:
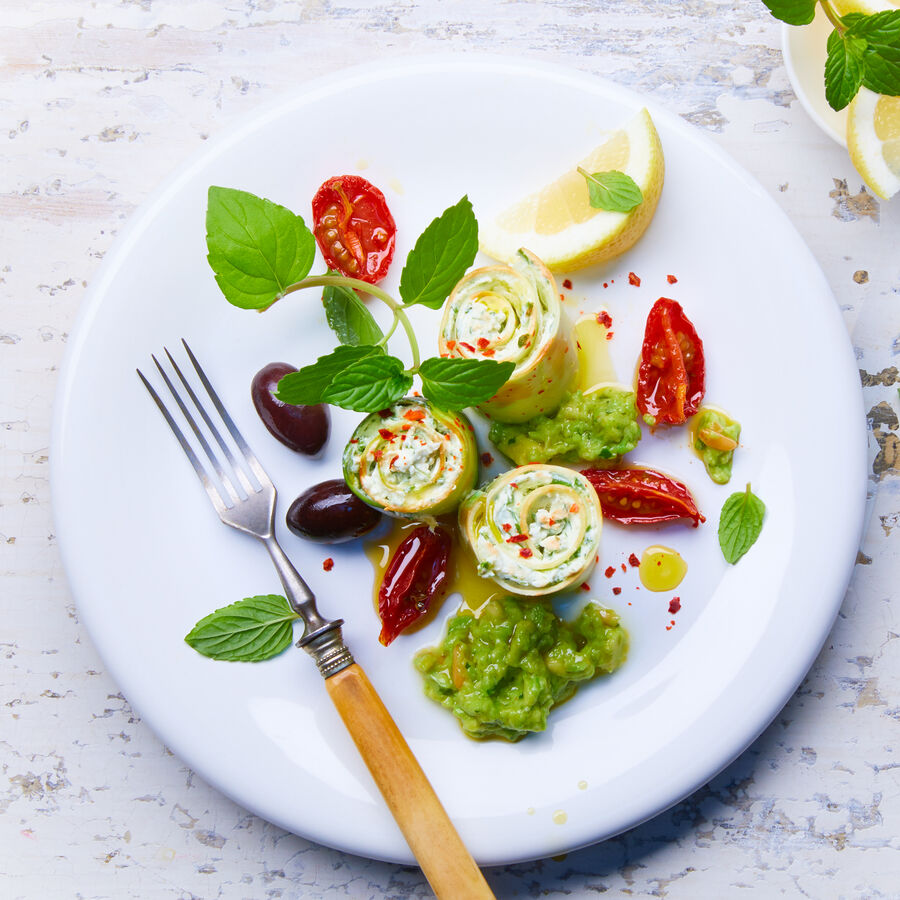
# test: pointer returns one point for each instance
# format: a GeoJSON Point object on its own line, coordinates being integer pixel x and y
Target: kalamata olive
{"type": "Point", "coordinates": [330, 513]}
{"type": "Point", "coordinates": [302, 428]}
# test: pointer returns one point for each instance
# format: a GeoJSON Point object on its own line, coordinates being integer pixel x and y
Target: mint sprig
{"type": "Point", "coordinates": [260, 252]}
{"type": "Point", "coordinates": [863, 50]}
{"type": "Point", "coordinates": [249, 630]}
{"type": "Point", "coordinates": [613, 191]}
{"type": "Point", "coordinates": [740, 524]}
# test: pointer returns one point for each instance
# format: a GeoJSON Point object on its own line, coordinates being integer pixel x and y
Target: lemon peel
{"type": "Point", "coordinates": [873, 139]}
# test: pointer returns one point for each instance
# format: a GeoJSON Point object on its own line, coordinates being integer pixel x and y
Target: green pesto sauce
{"type": "Point", "coordinates": [501, 673]}
{"type": "Point", "coordinates": [718, 462]}
{"type": "Point", "coordinates": [601, 425]}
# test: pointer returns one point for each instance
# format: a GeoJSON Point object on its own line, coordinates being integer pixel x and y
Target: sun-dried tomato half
{"type": "Point", "coordinates": [642, 496]}
{"type": "Point", "coordinates": [670, 382]}
{"type": "Point", "coordinates": [415, 576]}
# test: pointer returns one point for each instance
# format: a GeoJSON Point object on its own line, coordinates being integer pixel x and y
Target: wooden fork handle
{"type": "Point", "coordinates": [447, 864]}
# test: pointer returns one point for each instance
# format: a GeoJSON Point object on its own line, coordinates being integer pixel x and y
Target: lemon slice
{"type": "Point", "coordinates": [873, 139]}
{"type": "Point", "coordinates": [558, 224]}
{"type": "Point", "coordinates": [866, 7]}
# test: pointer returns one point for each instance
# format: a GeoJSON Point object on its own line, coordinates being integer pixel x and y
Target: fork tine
{"type": "Point", "coordinates": [248, 454]}
{"type": "Point", "coordinates": [236, 467]}
{"type": "Point", "coordinates": [214, 460]}
{"type": "Point", "coordinates": [212, 490]}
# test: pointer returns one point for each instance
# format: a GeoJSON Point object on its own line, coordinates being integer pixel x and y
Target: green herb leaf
{"type": "Point", "coordinates": [879, 35]}
{"type": "Point", "coordinates": [250, 630]}
{"type": "Point", "coordinates": [843, 70]}
{"type": "Point", "coordinates": [740, 524]}
{"type": "Point", "coordinates": [310, 384]}
{"type": "Point", "coordinates": [256, 248]}
{"type": "Point", "coordinates": [457, 383]}
{"type": "Point", "coordinates": [370, 384]}
{"type": "Point", "coordinates": [794, 12]}
{"type": "Point", "coordinates": [348, 316]}
{"type": "Point", "coordinates": [440, 257]}
{"type": "Point", "coordinates": [613, 191]}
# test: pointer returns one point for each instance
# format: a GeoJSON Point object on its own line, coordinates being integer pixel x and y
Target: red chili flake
{"type": "Point", "coordinates": [414, 415]}
{"type": "Point", "coordinates": [567, 284]}
{"type": "Point", "coordinates": [668, 627]}
{"type": "Point", "coordinates": [609, 335]}
{"type": "Point", "coordinates": [604, 318]}
{"type": "Point", "coordinates": [617, 590]}
{"type": "Point", "coordinates": [490, 351]}
{"type": "Point", "coordinates": [633, 560]}
{"type": "Point", "coordinates": [610, 571]}
{"type": "Point", "coordinates": [585, 586]}
{"type": "Point", "coordinates": [506, 527]}
{"type": "Point", "coordinates": [605, 284]}
{"type": "Point", "coordinates": [384, 413]}
{"type": "Point", "coordinates": [451, 345]}
{"type": "Point", "coordinates": [517, 539]}
{"type": "Point", "coordinates": [578, 344]}
{"type": "Point", "coordinates": [468, 347]}
{"type": "Point", "coordinates": [482, 343]}
{"type": "Point", "coordinates": [386, 433]}
{"type": "Point", "coordinates": [562, 297]}
{"type": "Point", "coordinates": [513, 485]}
{"type": "Point", "coordinates": [525, 553]}
{"type": "Point", "coordinates": [377, 454]}
{"type": "Point", "coordinates": [624, 569]}
{"type": "Point", "coordinates": [404, 428]}
{"type": "Point", "coordinates": [486, 459]}
{"type": "Point", "coordinates": [633, 279]}
{"type": "Point", "coordinates": [354, 440]}
{"type": "Point", "coordinates": [572, 509]}
{"type": "Point", "coordinates": [328, 564]}
{"type": "Point", "coordinates": [674, 605]}
{"type": "Point", "coordinates": [671, 279]}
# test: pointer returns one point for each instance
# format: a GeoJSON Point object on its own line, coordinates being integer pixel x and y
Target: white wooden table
{"type": "Point", "coordinates": [98, 102]}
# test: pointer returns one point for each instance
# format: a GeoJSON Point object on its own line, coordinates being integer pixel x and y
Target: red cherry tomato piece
{"type": "Point", "coordinates": [354, 227]}
{"type": "Point", "coordinates": [416, 575]}
{"type": "Point", "coordinates": [671, 374]}
{"type": "Point", "coordinates": [642, 496]}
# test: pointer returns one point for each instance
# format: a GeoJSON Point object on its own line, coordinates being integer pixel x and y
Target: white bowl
{"type": "Point", "coordinates": [804, 51]}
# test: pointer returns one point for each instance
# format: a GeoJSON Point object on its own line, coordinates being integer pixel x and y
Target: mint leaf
{"type": "Point", "coordinates": [740, 524]}
{"type": "Point", "coordinates": [256, 248]}
{"type": "Point", "coordinates": [250, 630]}
{"type": "Point", "coordinates": [370, 384]}
{"type": "Point", "coordinates": [443, 252]}
{"type": "Point", "coordinates": [348, 316]}
{"type": "Point", "coordinates": [794, 12]}
{"type": "Point", "coordinates": [310, 384]}
{"type": "Point", "coordinates": [843, 70]}
{"type": "Point", "coordinates": [457, 383]}
{"type": "Point", "coordinates": [613, 191]}
{"type": "Point", "coordinates": [880, 36]}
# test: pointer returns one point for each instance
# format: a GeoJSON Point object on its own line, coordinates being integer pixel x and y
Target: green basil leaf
{"type": "Point", "coordinates": [740, 524]}
{"type": "Point", "coordinates": [370, 384]}
{"type": "Point", "coordinates": [843, 70]}
{"type": "Point", "coordinates": [458, 383]}
{"type": "Point", "coordinates": [794, 12]}
{"type": "Point", "coordinates": [441, 256]}
{"type": "Point", "coordinates": [250, 630]}
{"type": "Point", "coordinates": [256, 248]}
{"type": "Point", "coordinates": [613, 191]}
{"type": "Point", "coordinates": [310, 384]}
{"type": "Point", "coordinates": [348, 317]}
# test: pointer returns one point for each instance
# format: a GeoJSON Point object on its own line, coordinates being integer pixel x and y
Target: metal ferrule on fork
{"type": "Point", "coordinates": [244, 497]}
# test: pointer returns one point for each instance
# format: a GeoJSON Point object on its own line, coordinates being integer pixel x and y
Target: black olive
{"type": "Point", "coordinates": [330, 513]}
{"type": "Point", "coordinates": [302, 428]}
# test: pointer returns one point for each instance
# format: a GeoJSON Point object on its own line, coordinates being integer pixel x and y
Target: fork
{"type": "Point", "coordinates": [244, 497]}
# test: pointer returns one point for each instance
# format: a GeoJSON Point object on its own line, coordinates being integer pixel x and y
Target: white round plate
{"type": "Point", "coordinates": [147, 557]}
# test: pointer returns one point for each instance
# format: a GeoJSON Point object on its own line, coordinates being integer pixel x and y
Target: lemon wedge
{"type": "Point", "coordinates": [558, 224]}
{"type": "Point", "coordinates": [873, 139]}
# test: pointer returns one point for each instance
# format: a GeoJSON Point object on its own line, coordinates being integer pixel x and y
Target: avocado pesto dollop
{"type": "Point", "coordinates": [587, 427]}
{"type": "Point", "coordinates": [501, 673]}
{"type": "Point", "coordinates": [715, 438]}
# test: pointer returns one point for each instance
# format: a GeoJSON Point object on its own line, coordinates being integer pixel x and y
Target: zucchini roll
{"type": "Point", "coordinates": [534, 530]}
{"type": "Point", "coordinates": [412, 460]}
{"type": "Point", "coordinates": [512, 313]}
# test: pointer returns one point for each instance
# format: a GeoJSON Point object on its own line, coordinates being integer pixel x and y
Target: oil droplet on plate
{"type": "Point", "coordinates": [530, 810]}
{"type": "Point", "coordinates": [661, 568]}
{"type": "Point", "coordinates": [560, 817]}
{"type": "Point", "coordinates": [582, 785]}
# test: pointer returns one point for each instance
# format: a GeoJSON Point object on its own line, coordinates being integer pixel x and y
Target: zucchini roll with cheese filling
{"type": "Point", "coordinates": [512, 313]}
{"type": "Point", "coordinates": [534, 530]}
{"type": "Point", "coordinates": [412, 460]}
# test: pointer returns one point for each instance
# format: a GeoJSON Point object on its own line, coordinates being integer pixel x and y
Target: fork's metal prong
{"type": "Point", "coordinates": [211, 488]}
{"type": "Point", "coordinates": [213, 459]}
{"type": "Point", "coordinates": [249, 455]}
{"type": "Point", "coordinates": [248, 486]}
